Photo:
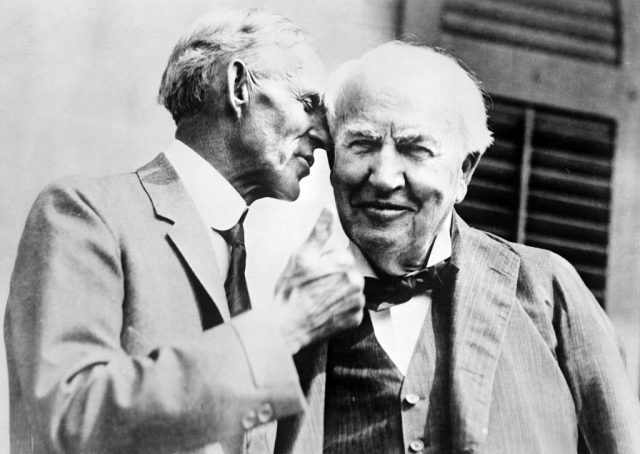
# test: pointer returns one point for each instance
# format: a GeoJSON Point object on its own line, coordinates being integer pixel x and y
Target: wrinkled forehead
{"type": "Point", "coordinates": [407, 104]}
{"type": "Point", "coordinates": [297, 65]}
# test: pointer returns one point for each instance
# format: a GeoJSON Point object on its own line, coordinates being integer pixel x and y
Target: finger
{"type": "Point", "coordinates": [338, 258]}
{"type": "Point", "coordinates": [319, 276]}
{"type": "Point", "coordinates": [337, 287]}
{"type": "Point", "coordinates": [321, 230]}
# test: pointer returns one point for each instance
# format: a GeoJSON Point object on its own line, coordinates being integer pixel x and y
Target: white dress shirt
{"type": "Point", "coordinates": [219, 205]}
{"type": "Point", "coordinates": [397, 328]}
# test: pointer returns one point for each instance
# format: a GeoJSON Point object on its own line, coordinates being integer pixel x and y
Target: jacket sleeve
{"type": "Point", "coordinates": [82, 392]}
{"type": "Point", "coordinates": [588, 352]}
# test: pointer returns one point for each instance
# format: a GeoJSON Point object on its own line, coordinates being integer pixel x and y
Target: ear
{"type": "Point", "coordinates": [237, 87]}
{"type": "Point", "coordinates": [468, 167]}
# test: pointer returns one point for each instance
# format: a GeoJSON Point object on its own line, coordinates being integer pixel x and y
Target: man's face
{"type": "Point", "coordinates": [287, 123]}
{"type": "Point", "coordinates": [398, 169]}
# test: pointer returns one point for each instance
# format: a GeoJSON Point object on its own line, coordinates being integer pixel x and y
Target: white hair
{"type": "Point", "coordinates": [431, 68]}
{"type": "Point", "coordinates": [196, 67]}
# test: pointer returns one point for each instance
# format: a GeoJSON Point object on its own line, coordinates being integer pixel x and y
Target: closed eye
{"type": "Point", "coordinates": [415, 149]}
{"type": "Point", "coordinates": [363, 145]}
{"type": "Point", "coordinates": [310, 102]}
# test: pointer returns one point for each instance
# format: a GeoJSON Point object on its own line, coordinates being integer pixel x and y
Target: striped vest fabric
{"type": "Point", "coordinates": [369, 406]}
{"type": "Point", "coordinates": [362, 403]}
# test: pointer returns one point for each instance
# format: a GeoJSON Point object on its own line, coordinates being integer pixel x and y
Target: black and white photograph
{"type": "Point", "coordinates": [320, 227]}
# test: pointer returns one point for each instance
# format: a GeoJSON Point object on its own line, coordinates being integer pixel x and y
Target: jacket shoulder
{"type": "Point", "coordinates": [537, 263]}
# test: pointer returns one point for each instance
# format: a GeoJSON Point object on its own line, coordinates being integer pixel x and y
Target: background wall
{"type": "Point", "coordinates": [79, 78]}
{"type": "Point", "coordinates": [78, 83]}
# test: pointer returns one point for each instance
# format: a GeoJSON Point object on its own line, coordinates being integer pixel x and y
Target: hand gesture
{"type": "Point", "coordinates": [319, 293]}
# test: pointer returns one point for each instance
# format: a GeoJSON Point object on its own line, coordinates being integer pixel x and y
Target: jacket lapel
{"type": "Point", "coordinates": [484, 291]}
{"type": "Point", "coordinates": [187, 232]}
{"type": "Point", "coordinates": [304, 433]}
{"type": "Point", "coordinates": [483, 295]}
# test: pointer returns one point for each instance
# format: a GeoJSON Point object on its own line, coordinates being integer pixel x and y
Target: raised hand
{"type": "Point", "coordinates": [319, 293]}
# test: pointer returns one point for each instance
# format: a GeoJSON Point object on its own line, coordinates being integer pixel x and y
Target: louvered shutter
{"type": "Point", "coordinates": [570, 192]}
{"type": "Point", "coordinates": [584, 29]}
{"type": "Point", "coordinates": [491, 203]}
{"type": "Point", "coordinates": [546, 182]}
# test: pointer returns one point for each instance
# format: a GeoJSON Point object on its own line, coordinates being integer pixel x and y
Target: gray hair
{"type": "Point", "coordinates": [196, 67]}
{"type": "Point", "coordinates": [466, 92]}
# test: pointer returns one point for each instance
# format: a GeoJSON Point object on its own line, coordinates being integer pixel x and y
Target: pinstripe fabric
{"type": "Point", "coordinates": [525, 357]}
{"type": "Point", "coordinates": [420, 379]}
{"type": "Point", "coordinates": [362, 402]}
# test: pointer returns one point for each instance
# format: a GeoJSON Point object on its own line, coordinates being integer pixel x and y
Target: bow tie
{"type": "Point", "coordinates": [383, 293]}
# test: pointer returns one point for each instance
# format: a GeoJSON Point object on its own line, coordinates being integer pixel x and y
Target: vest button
{"type": "Point", "coordinates": [416, 446]}
{"type": "Point", "coordinates": [411, 398]}
{"type": "Point", "coordinates": [265, 414]}
{"type": "Point", "coordinates": [249, 420]}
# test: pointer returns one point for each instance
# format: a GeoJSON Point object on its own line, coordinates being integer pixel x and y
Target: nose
{"type": "Point", "coordinates": [319, 132]}
{"type": "Point", "coordinates": [387, 169]}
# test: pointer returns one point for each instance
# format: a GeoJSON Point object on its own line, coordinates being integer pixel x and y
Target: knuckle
{"type": "Point", "coordinates": [354, 279]}
{"type": "Point", "coordinates": [344, 259]}
{"type": "Point", "coordinates": [357, 318]}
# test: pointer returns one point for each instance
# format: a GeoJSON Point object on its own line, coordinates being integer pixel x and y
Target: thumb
{"type": "Point", "coordinates": [321, 231]}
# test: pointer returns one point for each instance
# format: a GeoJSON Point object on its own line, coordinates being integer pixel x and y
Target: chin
{"type": "Point", "coordinates": [290, 194]}
{"type": "Point", "coordinates": [287, 188]}
{"type": "Point", "coordinates": [374, 240]}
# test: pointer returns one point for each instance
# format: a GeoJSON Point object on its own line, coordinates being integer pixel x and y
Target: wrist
{"type": "Point", "coordinates": [291, 333]}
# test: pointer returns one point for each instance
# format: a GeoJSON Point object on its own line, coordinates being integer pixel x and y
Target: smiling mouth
{"type": "Point", "coordinates": [383, 211]}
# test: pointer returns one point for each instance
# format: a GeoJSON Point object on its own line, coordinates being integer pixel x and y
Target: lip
{"type": "Point", "coordinates": [307, 158]}
{"type": "Point", "coordinates": [383, 211]}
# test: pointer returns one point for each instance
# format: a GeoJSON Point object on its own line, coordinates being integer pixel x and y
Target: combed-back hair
{"type": "Point", "coordinates": [435, 66]}
{"type": "Point", "coordinates": [196, 72]}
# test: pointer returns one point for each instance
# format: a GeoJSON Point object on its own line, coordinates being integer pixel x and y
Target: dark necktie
{"type": "Point", "coordinates": [235, 286]}
{"type": "Point", "coordinates": [388, 291]}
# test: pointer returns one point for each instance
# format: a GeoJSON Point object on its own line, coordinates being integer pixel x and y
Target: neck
{"type": "Point", "coordinates": [398, 263]}
{"type": "Point", "coordinates": [413, 256]}
{"type": "Point", "coordinates": [211, 139]}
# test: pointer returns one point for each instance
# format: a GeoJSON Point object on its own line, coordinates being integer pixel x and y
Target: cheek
{"type": "Point", "coordinates": [348, 170]}
{"type": "Point", "coordinates": [287, 149]}
{"type": "Point", "coordinates": [428, 188]}
{"type": "Point", "coordinates": [435, 184]}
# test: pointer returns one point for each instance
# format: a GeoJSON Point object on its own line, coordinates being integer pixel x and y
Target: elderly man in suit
{"type": "Point", "coordinates": [129, 325]}
{"type": "Point", "coordinates": [469, 344]}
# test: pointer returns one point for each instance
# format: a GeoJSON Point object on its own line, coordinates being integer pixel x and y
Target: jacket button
{"type": "Point", "coordinates": [411, 398]}
{"type": "Point", "coordinates": [249, 420]}
{"type": "Point", "coordinates": [265, 414]}
{"type": "Point", "coordinates": [416, 446]}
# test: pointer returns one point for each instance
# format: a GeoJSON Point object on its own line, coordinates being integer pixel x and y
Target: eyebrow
{"type": "Point", "coordinates": [308, 92]}
{"type": "Point", "coordinates": [313, 96]}
{"type": "Point", "coordinates": [361, 133]}
{"type": "Point", "coordinates": [409, 138]}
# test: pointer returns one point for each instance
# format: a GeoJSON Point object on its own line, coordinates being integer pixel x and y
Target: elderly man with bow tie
{"type": "Point", "coordinates": [470, 343]}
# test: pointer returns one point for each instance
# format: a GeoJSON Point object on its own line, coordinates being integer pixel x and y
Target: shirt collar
{"type": "Point", "coordinates": [440, 251]}
{"type": "Point", "coordinates": [216, 200]}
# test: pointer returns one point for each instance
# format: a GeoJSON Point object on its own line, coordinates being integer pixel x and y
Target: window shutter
{"type": "Point", "coordinates": [584, 29]}
{"type": "Point", "coordinates": [491, 203]}
{"type": "Point", "coordinates": [546, 182]}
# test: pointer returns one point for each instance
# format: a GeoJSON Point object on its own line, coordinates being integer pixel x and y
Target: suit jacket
{"type": "Point", "coordinates": [114, 339]}
{"type": "Point", "coordinates": [530, 360]}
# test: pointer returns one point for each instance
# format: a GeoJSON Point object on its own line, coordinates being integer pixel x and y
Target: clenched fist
{"type": "Point", "coordinates": [319, 293]}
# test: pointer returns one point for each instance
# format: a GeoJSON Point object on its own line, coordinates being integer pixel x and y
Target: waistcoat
{"type": "Point", "coordinates": [369, 405]}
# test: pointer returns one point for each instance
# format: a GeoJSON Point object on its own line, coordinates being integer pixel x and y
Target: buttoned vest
{"type": "Point", "coordinates": [369, 406]}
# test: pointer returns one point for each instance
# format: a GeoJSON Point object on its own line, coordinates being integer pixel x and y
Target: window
{"type": "Point", "coordinates": [587, 30]}
{"type": "Point", "coordinates": [546, 182]}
